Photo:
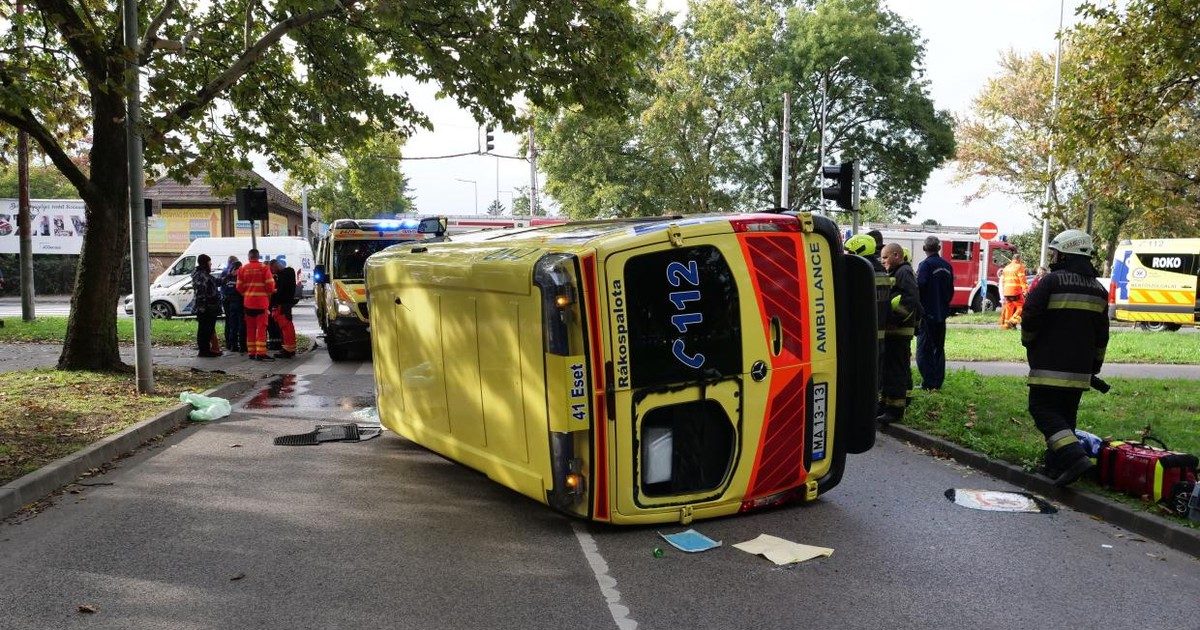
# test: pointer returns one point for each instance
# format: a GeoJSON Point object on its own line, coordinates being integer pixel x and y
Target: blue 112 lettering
{"type": "Point", "coordinates": [681, 276]}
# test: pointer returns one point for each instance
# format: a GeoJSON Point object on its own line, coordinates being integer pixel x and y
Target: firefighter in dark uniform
{"type": "Point", "coordinates": [904, 313]}
{"type": "Point", "coordinates": [1064, 328]}
{"type": "Point", "coordinates": [864, 245]}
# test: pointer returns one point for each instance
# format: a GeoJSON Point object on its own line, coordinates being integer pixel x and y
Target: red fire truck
{"type": "Point", "coordinates": [961, 248]}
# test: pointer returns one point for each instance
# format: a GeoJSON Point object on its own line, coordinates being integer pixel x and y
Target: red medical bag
{"type": "Point", "coordinates": [1144, 471]}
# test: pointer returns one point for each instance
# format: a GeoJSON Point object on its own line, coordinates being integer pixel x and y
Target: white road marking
{"type": "Point", "coordinates": [608, 584]}
{"type": "Point", "coordinates": [366, 369]}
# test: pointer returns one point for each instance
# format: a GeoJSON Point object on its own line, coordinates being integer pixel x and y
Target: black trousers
{"type": "Point", "coordinates": [1054, 409]}
{"type": "Point", "coordinates": [896, 377]}
{"type": "Point", "coordinates": [206, 329]}
{"type": "Point", "coordinates": [931, 354]}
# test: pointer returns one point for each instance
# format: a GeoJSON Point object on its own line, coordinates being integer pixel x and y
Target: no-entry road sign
{"type": "Point", "coordinates": [988, 231]}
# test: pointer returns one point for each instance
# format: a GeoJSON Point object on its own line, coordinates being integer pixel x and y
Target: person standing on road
{"type": "Point", "coordinates": [935, 282]}
{"type": "Point", "coordinates": [235, 323]}
{"type": "Point", "coordinates": [903, 316]}
{"type": "Point", "coordinates": [281, 307]}
{"type": "Point", "coordinates": [256, 285]}
{"type": "Point", "coordinates": [1065, 334]}
{"type": "Point", "coordinates": [207, 295]}
{"type": "Point", "coordinates": [1012, 290]}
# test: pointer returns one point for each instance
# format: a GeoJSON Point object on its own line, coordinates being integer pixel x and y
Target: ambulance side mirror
{"type": "Point", "coordinates": [319, 276]}
{"type": "Point", "coordinates": [432, 225]}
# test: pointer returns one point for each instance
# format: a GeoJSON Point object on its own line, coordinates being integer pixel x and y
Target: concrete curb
{"type": "Point", "coordinates": [1156, 529]}
{"type": "Point", "coordinates": [65, 470]}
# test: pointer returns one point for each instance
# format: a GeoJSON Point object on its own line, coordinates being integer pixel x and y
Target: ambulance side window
{"type": "Point", "coordinates": [184, 267]}
{"type": "Point", "coordinates": [683, 316]}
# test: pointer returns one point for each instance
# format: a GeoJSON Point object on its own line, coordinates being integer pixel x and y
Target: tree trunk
{"type": "Point", "coordinates": [91, 342]}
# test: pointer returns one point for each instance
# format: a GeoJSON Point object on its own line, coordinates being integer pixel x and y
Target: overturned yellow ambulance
{"type": "Point", "coordinates": [633, 371]}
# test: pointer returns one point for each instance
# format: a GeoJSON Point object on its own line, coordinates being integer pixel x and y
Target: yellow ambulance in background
{"type": "Point", "coordinates": [633, 371]}
{"type": "Point", "coordinates": [1154, 283]}
{"type": "Point", "coordinates": [339, 295]}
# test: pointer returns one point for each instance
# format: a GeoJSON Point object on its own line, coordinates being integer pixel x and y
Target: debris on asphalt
{"type": "Point", "coordinates": [690, 541]}
{"type": "Point", "coordinates": [87, 609]}
{"type": "Point", "coordinates": [237, 577]}
{"type": "Point", "coordinates": [657, 553]}
{"type": "Point", "coordinates": [330, 433]}
{"type": "Point", "coordinates": [205, 407]}
{"type": "Point", "coordinates": [368, 415]}
{"type": "Point", "coordinates": [997, 501]}
{"type": "Point", "coordinates": [782, 551]}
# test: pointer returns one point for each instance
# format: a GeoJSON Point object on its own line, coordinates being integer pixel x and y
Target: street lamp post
{"type": "Point", "coordinates": [1050, 157]}
{"type": "Point", "coordinates": [821, 160]}
{"type": "Point", "coordinates": [476, 186]}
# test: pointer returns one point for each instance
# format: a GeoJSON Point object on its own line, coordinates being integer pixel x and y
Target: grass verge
{"type": "Point", "coordinates": [163, 332]}
{"type": "Point", "coordinates": [988, 414]}
{"type": "Point", "coordinates": [1125, 345]}
{"type": "Point", "coordinates": [50, 413]}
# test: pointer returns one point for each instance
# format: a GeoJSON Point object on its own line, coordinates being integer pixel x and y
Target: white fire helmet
{"type": "Point", "coordinates": [1073, 242]}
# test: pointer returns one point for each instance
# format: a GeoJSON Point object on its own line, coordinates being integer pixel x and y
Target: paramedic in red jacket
{"type": "Point", "coordinates": [256, 284]}
{"type": "Point", "coordinates": [1064, 329]}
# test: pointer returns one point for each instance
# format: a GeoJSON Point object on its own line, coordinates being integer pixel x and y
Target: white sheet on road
{"type": "Point", "coordinates": [782, 551]}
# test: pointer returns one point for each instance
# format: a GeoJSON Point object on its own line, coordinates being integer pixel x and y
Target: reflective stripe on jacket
{"type": "Point", "coordinates": [1012, 279]}
{"type": "Point", "coordinates": [903, 318]}
{"type": "Point", "coordinates": [256, 284]}
{"type": "Point", "coordinates": [1064, 326]}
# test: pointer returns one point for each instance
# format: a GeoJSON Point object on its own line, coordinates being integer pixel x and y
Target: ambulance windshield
{"type": "Point", "coordinates": [349, 256]}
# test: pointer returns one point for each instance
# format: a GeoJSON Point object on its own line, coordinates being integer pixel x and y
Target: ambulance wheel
{"type": "Point", "coordinates": [337, 351]}
{"type": "Point", "coordinates": [161, 310]}
{"type": "Point", "coordinates": [1158, 326]}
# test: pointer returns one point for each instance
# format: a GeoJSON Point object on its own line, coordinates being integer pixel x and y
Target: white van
{"type": "Point", "coordinates": [171, 291]}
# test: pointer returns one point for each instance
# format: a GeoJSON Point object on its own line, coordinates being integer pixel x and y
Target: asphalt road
{"type": "Point", "coordinates": [214, 527]}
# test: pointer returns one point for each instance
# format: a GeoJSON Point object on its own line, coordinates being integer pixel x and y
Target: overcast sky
{"type": "Point", "coordinates": [964, 41]}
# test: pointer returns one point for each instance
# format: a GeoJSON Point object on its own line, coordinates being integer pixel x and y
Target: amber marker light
{"type": "Point", "coordinates": [562, 301]}
{"type": "Point", "coordinates": [573, 480]}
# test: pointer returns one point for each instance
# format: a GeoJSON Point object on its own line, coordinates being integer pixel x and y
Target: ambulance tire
{"type": "Point", "coordinates": [1158, 326]}
{"type": "Point", "coordinates": [337, 351]}
{"type": "Point", "coordinates": [161, 309]}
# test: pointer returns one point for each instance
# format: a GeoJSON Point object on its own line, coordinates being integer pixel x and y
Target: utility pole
{"type": "Point", "coordinates": [533, 190]}
{"type": "Point", "coordinates": [304, 213]}
{"type": "Point", "coordinates": [24, 212]}
{"type": "Point", "coordinates": [498, 182]}
{"type": "Point", "coordinates": [139, 256]}
{"type": "Point", "coordinates": [1050, 158]}
{"type": "Point", "coordinates": [787, 150]}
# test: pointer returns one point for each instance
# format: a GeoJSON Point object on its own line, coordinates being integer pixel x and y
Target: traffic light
{"type": "Point", "coordinates": [252, 204]}
{"type": "Point", "coordinates": [491, 139]}
{"type": "Point", "coordinates": [844, 192]}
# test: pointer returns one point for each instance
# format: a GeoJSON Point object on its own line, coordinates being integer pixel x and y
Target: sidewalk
{"type": "Point", "coordinates": [1131, 370]}
{"type": "Point", "coordinates": [26, 356]}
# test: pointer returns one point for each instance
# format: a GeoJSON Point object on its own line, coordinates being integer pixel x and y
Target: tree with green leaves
{"type": "Point", "coordinates": [703, 132]}
{"type": "Point", "coordinates": [521, 202]}
{"type": "Point", "coordinates": [1004, 142]}
{"type": "Point", "coordinates": [45, 182]}
{"type": "Point", "coordinates": [224, 78]}
{"type": "Point", "coordinates": [365, 183]}
{"type": "Point", "coordinates": [1130, 116]}
{"type": "Point", "coordinates": [495, 208]}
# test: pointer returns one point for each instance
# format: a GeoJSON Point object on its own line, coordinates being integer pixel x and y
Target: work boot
{"type": "Point", "coordinates": [890, 415]}
{"type": "Point", "coordinates": [1070, 462]}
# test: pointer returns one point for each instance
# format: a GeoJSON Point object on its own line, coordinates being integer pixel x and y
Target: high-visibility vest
{"type": "Point", "coordinates": [256, 284]}
{"type": "Point", "coordinates": [1013, 279]}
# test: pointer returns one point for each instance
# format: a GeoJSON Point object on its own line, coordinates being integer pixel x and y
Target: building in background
{"type": "Point", "coordinates": [185, 212]}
